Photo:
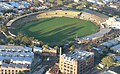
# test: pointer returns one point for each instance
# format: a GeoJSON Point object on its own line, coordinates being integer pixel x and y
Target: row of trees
{"type": "Point", "coordinates": [22, 39]}
{"type": "Point", "coordinates": [58, 2]}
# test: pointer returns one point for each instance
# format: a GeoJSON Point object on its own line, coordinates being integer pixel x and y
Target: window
{"type": "Point", "coordinates": [64, 69]}
{"type": "Point", "coordinates": [64, 65]}
{"type": "Point", "coordinates": [70, 72]}
{"type": "Point", "coordinates": [68, 66]}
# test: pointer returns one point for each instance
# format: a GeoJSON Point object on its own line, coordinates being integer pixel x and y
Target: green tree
{"type": "Point", "coordinates": [45, 46]}
{"type": "Point", "coordinates": [101, 1]}
{"type": "Point", "coordinates": [12, 41]}
{"type": "Point", "coordinates": [4, 29]}
{"type": "Point", "coordinates": [19, 36]}
{"type": "Point", "coordinates": [25, 40]}
{"type": "Point", "coordinates": [59, 2]}
{"type": "Point", "coordinates": [1, 17]}
{"type": "Point", "coordinates": [70, 6]}
{"type": "Point", "coordinates": [21, 72]}
{"type": "Point", "coordinates": [36, 3]}
{"type": "Point", "coordinates": [94, 6]}
{"type": "Point", "coordinates": [79, 7]}
{"type": "Point", "coordinates": [85, 3]}
{"type": "Point", "coordinates": [51, 1]}
{"type": "Point", "coordinates": [2, 42]}
{"type": "Point", "coordinates": [108, 61]}
{"type": "Point", "coordinates": [72, 48]}
{"type": "Point", "coordinates": [56, 47]}
{"type": "Point", "coordinates": [41, 43]}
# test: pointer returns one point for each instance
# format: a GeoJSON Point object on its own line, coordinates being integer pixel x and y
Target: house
{"type": "Point", "coordinates": [15, 58]}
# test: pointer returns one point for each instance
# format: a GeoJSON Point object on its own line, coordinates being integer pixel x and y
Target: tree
{"type": "Point", "coordinates": [108, 61]}
{"type": "Point", "coordinates": [36, 3]}
{"type": "Point", "coordinates": [85, 3]}
{"type": "Point", "coordinates": [4, 29]}
{"type": "Point", "coordinates": [59, 2]}
{"type": "Point", "coordinates": [72, 48]}
{"type": "Point", "coordinates": [21, 72]}
{"type": "Point", "coordinates": [1, 17]}
{"type": "Point", "coordinates": [41, 43]}
{"type": "Point", "coordinates": [45, 46]}
{"type": "Point", "coordinates": [2, 42]}
{"type": "Point", "coordinates": [19, 36]}
{"type": "Point", "coordinates": [56, 47]}
{"type": "Point", "coordinates": [101, 1]}
{"type": "Point", "coordinates": [70, 6]}
{"type": "Point", "coordinates": [25, 40]}
{"type": "Point", "coordinates": [51, 1]}
{"type": "Point", "coordinates": [94, 6]}
{"type": "Point", "coordinates": [79, 7]}
{"type": "Point", "coordinates": [12, 41]}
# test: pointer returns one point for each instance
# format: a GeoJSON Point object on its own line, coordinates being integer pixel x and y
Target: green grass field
{"type": "Point", "coordinates": [58, 30]}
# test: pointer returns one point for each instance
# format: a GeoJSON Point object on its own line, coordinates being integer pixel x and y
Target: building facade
{"type": "Point", "coordinates": [78, 62]}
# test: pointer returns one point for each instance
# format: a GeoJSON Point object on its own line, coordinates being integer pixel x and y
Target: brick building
{"type": "Point", "coordinates": [78, 62]}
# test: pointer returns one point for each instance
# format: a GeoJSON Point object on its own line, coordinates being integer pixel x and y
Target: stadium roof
{"type": "Point", "coordinates": [94, 36]}
{"type": "Point", "coordinates": [95, 13]}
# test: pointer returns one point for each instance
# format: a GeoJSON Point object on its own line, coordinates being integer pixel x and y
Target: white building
{"type": "Point", "coordinates": [113, 23]}
{"type": "Point", "coordinates": [76, 1]}
{"type": "Point", "coordinates": [37, 49]}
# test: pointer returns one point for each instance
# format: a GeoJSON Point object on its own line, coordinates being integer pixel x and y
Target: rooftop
{"type": "Point", "coordinates": [14, 65]}
{"type": "Point", "coordinates": [118, 19]}
{"type": "Point", "coordinates": [15, 48]}
{"type": "Point", "coordinates": [78, 55]}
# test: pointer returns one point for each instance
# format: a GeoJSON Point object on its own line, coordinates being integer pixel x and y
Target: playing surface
{"type": "Point", "coordinates": [58, 30]}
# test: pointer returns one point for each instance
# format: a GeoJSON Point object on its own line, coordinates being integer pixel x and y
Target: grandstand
{"type": "Point", "coordinates": [86, 14]}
